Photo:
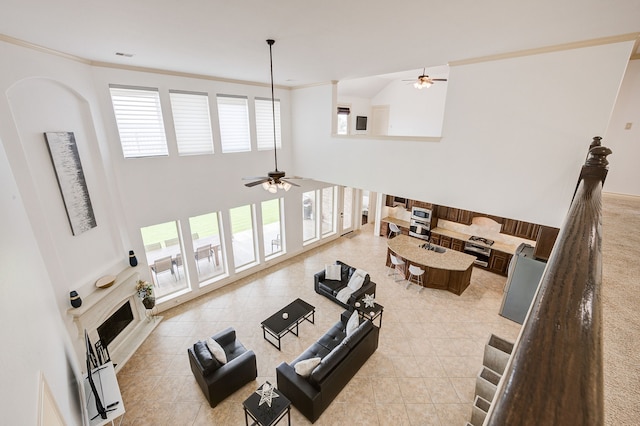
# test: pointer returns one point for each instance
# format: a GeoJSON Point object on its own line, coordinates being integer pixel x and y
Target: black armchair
{"type": "Point", "coordinates": [216, 380]}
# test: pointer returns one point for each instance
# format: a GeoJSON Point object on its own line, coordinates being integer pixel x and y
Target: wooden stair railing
{"type": "Point", "coordinates": [554, 376]}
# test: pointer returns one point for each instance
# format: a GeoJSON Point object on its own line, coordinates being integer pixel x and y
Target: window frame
{"type": "Point", "coordinates": [197, 127]}
{"type": "Point", "coordinates": [134, 126]}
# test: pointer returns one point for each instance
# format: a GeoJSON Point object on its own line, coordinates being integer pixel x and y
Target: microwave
{"type": "Point", "coordinates": [421, 214]}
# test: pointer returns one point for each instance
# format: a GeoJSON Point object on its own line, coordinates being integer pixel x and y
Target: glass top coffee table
{"type": "Point", "coordinates": [265, 414]}
{"type": "Point", "coordinates": [286, 320]}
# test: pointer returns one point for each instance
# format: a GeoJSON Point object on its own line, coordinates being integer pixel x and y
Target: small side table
{"type": "Point", "coordinates": [265, 415]}
{"type": "Point", "coordinates": [371, 313]}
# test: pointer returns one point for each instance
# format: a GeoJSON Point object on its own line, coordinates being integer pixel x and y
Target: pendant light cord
{"type": "Point", "coordinates": [273, 104]}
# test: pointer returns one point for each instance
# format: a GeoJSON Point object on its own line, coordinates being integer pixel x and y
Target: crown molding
{"type": "Point", "coordinates": [549, 49]}
{"type": "Point", "coordinates": [36, 47]}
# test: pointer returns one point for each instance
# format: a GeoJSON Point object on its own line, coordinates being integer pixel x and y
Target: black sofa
{"type": "Point", "coordinates": [330, 288]}
{"type": "Point", "coordinates": [218, 381]}
{"type": "Point", "coordinates": [341, 356]}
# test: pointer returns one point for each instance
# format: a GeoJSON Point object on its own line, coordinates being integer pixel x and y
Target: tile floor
{"type": "Point", "coordinates": [430, 350]}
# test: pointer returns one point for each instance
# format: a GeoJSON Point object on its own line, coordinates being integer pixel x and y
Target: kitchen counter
{"type": "Point", "coordinates": [497, 245]}
{"type": "Point", "coordinates": [401, 223]}
{"type": "Point", "coordinates": [450, 270]}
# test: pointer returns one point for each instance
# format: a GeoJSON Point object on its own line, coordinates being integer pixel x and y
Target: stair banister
{"type": "Point", "coordinates": [554, 376]}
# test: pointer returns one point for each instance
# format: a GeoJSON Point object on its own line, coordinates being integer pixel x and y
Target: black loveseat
{"type": "Point", "coordinates": [341, 356]}
{"type": "Point", "coordinates": [331, 288]}
{"type": "Point", "coordinates": [219, 381]}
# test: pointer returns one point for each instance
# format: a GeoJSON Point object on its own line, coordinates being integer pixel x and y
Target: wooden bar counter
{"type": "Point", "coordinates": [450, 270]}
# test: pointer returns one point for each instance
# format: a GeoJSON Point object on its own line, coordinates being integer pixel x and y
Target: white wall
{"type": "Point", "coordinates": [413, 112]}
{"type": "Point", "coordinates": [624, 170]}
{"type": "Point", "coordinates": [32, 334]}
{"type": "Point", "coordinates": [515, 134]}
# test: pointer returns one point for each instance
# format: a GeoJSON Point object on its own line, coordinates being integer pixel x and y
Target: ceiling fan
{"type": "Point", "coordinates": [424, 80]}
{"type": "Point", "coordinates": [275, 179]}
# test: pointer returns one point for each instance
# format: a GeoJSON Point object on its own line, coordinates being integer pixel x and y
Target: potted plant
{"type": "Point", "coordinates": [145, 292]}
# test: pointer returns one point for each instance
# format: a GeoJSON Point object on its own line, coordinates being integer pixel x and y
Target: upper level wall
{"type": "Point", "coordinates": [515, 131]}
{"type": "Point", "coordinates": [624, 175]}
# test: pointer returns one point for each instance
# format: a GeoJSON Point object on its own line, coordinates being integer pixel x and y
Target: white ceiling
{"type": "Point", "coordinates": [315, 41]}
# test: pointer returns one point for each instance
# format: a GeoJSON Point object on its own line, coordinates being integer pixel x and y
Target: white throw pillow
{"type": "Point", "coordinates": [306, 366]}
{"type": "Point", "coordinates": [216, 350]}
{"type": "Point", "coordinates": [355, 282]}
{"type": "Point", "coordinates": [333, 272]}
{"type": "Point", "coordinates": [353, 323]}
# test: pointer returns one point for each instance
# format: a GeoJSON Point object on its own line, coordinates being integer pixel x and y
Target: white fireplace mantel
{"type": "Point", "coordinates": [101, 304]}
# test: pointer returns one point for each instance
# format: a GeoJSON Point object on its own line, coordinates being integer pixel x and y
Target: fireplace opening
{"type": "Point", "coordinates": [117, 322]}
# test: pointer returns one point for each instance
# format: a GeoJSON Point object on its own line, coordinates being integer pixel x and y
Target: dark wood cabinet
{"type": "Point", "coordinates": [545, 241]}
{"type": "Point", "coordinates": [435, 239]}
{"type": "Point", "coordinates": [520, 229]}
{"type": "Point", "coordinates": [465, 217]}
{"type": "Point", "coordinates": [452, 214]}
{"type": "Point", "coordinates": [384, 228]}
{"type": "Point", "coordinates": [421, 204]}
{"type": "Point", "coordinates": [499, 262]}
{"type": "Point", "coordinates": [509, 226]}
{"type": "Point", "coordinates": [445, 241]}
{"type": "Point", "coordinates": [457, 245]}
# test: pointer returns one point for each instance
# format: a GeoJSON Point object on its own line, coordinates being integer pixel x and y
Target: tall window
{"type": "Point", "coordinates": [343, 120]}
{"type": "Point", "coordinates": [164, 256]}
{"type": "Point", "coordinates": [309, 223]}
{"type": "Point", "coordinates": [192, 122]}
{"type": "Point", "coordinates": [207, 245]}
{"type": "Point", "coordinates": [244, 251]}
{"type": "Point", "coordinates": [139, 118]}
{"type": "Point", "coordinates": [264, 123]}
{"type": "Point", "coordinates": [272, 227]}
{"type": "Point", "coordinates": [328, 210]}
{"type": "Point", "coordinates": [233, 114]}
{"type": "Point", "coordinates": [347, 209]}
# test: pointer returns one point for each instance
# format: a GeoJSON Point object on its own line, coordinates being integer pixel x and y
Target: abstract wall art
{"type": "Point", "coordinates": [73, 187]}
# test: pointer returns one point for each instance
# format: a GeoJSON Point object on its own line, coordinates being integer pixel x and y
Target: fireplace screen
{"type": "Point", "coordinates": [117, 322]}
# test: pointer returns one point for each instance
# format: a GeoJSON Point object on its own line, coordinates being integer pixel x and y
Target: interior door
{"type": "Point", "coordinates": [347, 210]}
{"type": "Point", "coordinates": [380, 119]}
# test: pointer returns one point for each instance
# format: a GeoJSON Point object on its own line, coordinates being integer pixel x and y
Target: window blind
{"type": "Point", "coordinates": [233, 114]}
{"type": "Point", "coordinates": [264, 123]}
{"type": "Point", "coordinates": [139, 119]}
{"type": "Point", "coordinates": [192, 122]}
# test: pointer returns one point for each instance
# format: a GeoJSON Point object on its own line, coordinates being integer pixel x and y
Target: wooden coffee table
{"type": "Point", "coordinates": [277, 325]}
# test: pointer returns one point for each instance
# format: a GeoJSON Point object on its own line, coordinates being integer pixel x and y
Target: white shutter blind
{"type": "Point", "coordinates": [139, 118]}
{"type": "Point", "coordinates": [233, 114]}
{"type": "Point", "coordinates": [264, 123]}
{"type": "Point", "coordinates": [192, 122]}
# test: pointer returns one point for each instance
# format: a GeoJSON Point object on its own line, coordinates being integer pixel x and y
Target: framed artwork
{"type": "Point", "coordinates": [75, 194]}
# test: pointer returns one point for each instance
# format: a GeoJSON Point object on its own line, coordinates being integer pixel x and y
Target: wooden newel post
{"type": "Point", "coordinates": [554, 376]}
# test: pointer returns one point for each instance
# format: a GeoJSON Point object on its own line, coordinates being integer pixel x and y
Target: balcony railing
{"type": "Point", "coordinates": [554, 376]}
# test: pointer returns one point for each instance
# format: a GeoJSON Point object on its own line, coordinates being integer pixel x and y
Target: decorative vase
{"type": "Point", "coordinates": [133, 261]}
{"type": "Point", "coordinates": [76, 301]}
{"type": "Point", "coordinates": [149, 302]}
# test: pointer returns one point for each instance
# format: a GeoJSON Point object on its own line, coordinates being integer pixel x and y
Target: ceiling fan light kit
{"type": "Point", "coordinates": [425, 81]}
{"type": "Point", "coordinates": [274, 179]}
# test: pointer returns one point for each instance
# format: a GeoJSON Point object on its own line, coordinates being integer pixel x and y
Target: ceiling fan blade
{"type": "Point", "coordinates": [258, 182]}
{"type": "Point", "coordinates": [439, 79]}
{"type": "Point", "coordinates": [290, 183]}
{"type": "Point", "coordinates": [254, 177]}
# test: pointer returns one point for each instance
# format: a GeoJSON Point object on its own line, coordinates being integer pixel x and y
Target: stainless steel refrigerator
{"type": "Point", "coordinates": [522, 282]}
